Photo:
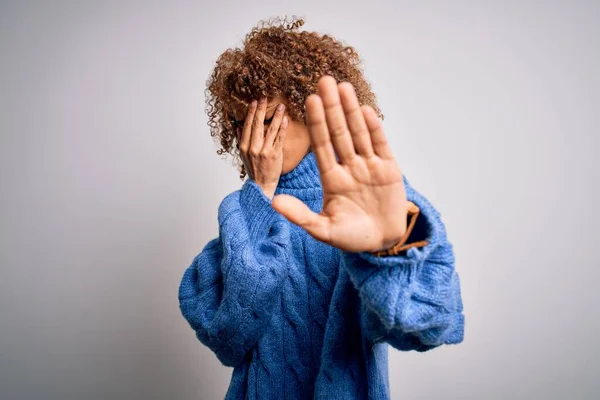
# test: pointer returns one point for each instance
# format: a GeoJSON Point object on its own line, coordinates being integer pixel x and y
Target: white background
{"type": "Point", "coordinates": [111, 183]}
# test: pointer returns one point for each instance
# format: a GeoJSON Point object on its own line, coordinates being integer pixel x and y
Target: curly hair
{"type": "Point", "coordinates": [277, 58]}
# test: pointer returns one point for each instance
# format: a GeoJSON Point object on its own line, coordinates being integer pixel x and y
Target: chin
{"type": "Point", "coordinates": [292, 159]}
{"type": "Point", "coordinates": [290, 162]}
{"type": "Point", "coordinates": [288, 165]}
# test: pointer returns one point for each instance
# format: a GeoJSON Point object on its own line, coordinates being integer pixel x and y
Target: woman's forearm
{"type": "Point", "coordinates": [227, 294]}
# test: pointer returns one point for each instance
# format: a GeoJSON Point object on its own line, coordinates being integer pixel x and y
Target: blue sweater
{"type": "Point", "coordinates": [299, 319]}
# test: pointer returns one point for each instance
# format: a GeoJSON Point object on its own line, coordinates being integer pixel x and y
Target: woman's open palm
{"type": "Point", "coordinates": [364, 199]}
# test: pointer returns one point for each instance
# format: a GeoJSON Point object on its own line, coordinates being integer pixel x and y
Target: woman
{"type": "Point", "coordinates": [326, 254]}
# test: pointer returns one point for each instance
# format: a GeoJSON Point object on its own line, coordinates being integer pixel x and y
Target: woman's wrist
{"type": "Point", "coordinates": [268, 190]}
{"type": "Point", "coordinates": [405, 242]}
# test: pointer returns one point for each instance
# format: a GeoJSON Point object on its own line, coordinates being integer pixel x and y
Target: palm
{"type": "Point", "coordinates": [364, 200]}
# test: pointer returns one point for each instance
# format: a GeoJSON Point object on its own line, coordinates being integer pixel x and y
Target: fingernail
{"type": "Point", "coordinates": [279, 107]}
{"type": "Point", "coordinates": [285, 121]}
{"type": "Point", "coordinates": [253, 104]}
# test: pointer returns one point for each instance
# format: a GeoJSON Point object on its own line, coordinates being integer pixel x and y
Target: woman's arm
{"type": "Point", "coordinates": [411, 300]}
{"type": "Point", "coordinates": [228, 292]}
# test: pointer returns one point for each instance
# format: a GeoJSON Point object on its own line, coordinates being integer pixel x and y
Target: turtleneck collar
{"type": "Point", "coordinates": [304, 181]}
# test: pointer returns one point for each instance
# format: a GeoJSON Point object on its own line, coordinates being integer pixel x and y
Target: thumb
{"type": "Point", "coordinates": [292, 208]}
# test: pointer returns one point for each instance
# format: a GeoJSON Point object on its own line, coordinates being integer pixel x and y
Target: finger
{"type": "Point", "coordinates": [246, 131]}
{"type": "Point", "coordinates": [258, 127]}
{"type": "Point", "coordinates": [336, 120]}
{"type": "Point", "coordinates": [378, 139]}
{"type": "Point", "coordinates": [356, 120]}
{"type": "Point", "coordinates": [274, 126]}
{"type": "Point", "coordinates": [278, 146]}
{"type": "Point", "coordinates": [319, 135]}
{"type": "Point", "coordinates": [238, 136]}
{"type": "Point", "coordinates": [297, 212]}
{"type": "Point", "coordinates": [246, 165]}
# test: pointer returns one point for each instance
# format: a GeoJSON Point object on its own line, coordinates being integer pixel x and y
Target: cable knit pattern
{"type": "Point", "coordinates": [299, 319]}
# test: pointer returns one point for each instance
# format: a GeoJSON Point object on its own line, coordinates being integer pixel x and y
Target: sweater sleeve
{"type": "Point", "coordinates": [228, 293]}
{"type": "Point", "coordinates": [411, 300]}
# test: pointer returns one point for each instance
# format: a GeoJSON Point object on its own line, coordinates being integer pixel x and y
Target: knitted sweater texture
{"type": "Point", "coordinates": [299, 319]}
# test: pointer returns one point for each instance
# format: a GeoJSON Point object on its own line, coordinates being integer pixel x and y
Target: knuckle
{"type": "Point", "coordinates": [339, 131]}
{"type": "Point", "coordinates": [254, 153]}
